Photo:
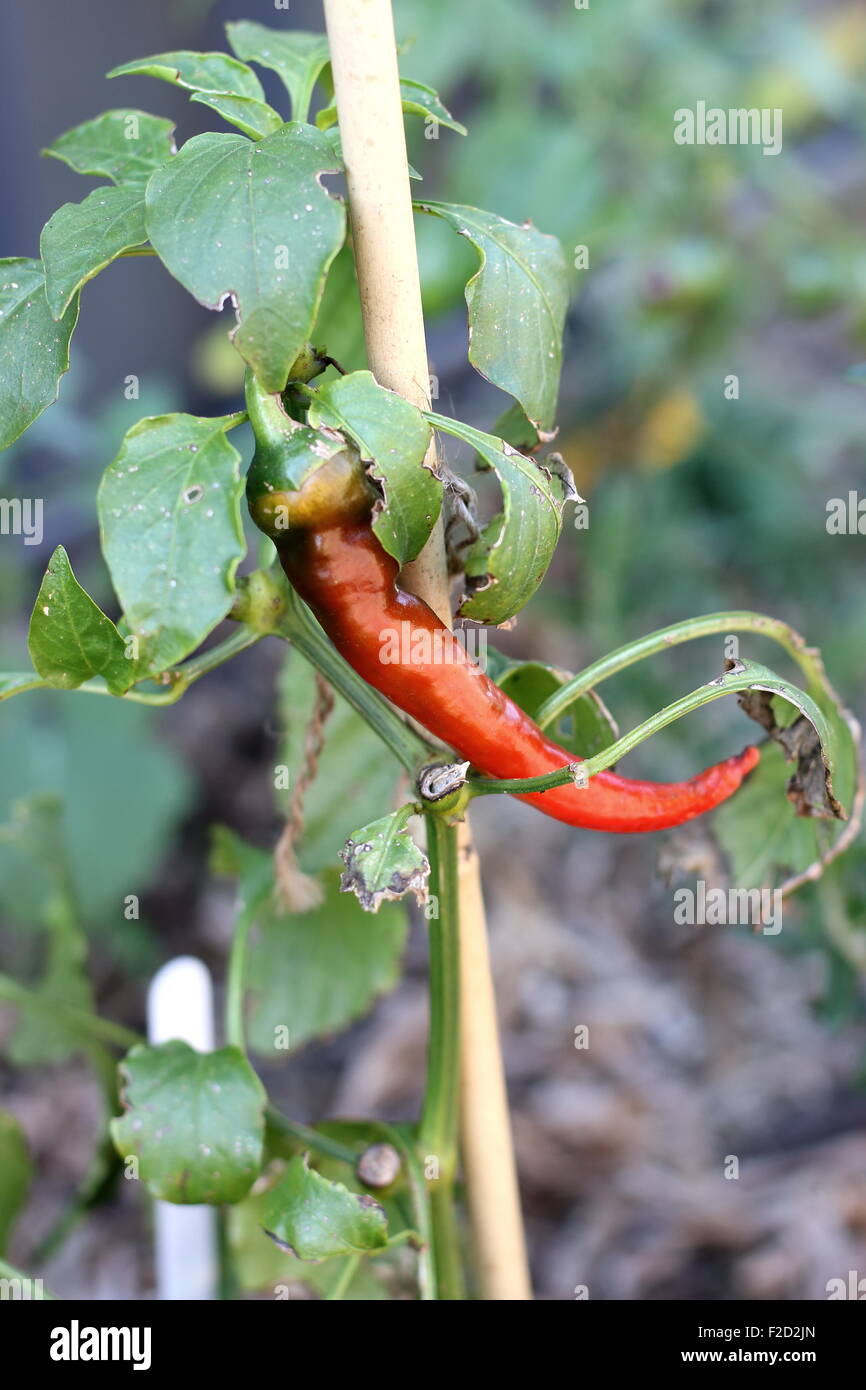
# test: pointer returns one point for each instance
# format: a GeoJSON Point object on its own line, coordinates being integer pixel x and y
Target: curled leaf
{"type": "Point", "coordinates": [383, 863]}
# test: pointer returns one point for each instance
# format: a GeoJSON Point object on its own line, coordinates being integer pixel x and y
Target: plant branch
{"type": "Point", "coordinates": [309, 1138]}
{"type": "Point", "coordinates": [437, 1130]}
{"type": "Point", "coordinates": [340, 1286]}
{"type": "Point", "coordinates": [689, 630]}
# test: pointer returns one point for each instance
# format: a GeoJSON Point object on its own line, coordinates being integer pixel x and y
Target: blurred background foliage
{"type": "Point", "coordinates": [701, 264]}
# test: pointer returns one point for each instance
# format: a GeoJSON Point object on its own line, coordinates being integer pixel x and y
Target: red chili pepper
{"type": "Point", "coordinates": [335, 562]}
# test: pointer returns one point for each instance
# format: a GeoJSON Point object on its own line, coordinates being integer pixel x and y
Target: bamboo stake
{"type": "Point", "coordinates": [366, 83]}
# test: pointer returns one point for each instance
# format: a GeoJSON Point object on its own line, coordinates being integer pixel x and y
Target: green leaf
{"type": "Point", "coordinates": [309, 974]}
{"type": "Point", "coordinates": [254, 118]}
{"type": "Point", "coordinates": [417, 100]}
{"type": "Point", "coordinates": [197, 72]}
{"type": "Point", "coordinates": [123, 145]}
{"type": "Point", "coordinates": [505, 566]}
{"type": "Point", "coordinates": [83, 238]}
{"type": "Point", "coordinates": [585, 727]}
{"type": "Point", "coordinates": [383, 863]}
{"type": "Point", "coordinates": [318, 1219]}
{"type": "Point", "coordinates": [394, 436]}
{"type": "Point", "coordinates": [71, 639]}
{"type": "Point", "coordinates": [422, 100]}
{"type": "Point", "coordinates": [35, 837]}
{"type": "Point", "coordinates": [517, 301]}
{"type": "Point", "coordinates": [260, 1263]}
{"type": "Point", "coordinates": [298, 58]}
{"type": "Point", "coordinates": [34, 350]}
{"type": "Point", "coordinates": [250, 221]}
{"type": "Point", "coordinates": [15, 1173]}
{"type": "Point", "coordinates": [52, 744]}
{"type": "Point", "coordinates": [169, 514]}
{"type": "Point", "coordinates": [194, 1120]}
{"type": "Point", "coordinates": [41, 1038]}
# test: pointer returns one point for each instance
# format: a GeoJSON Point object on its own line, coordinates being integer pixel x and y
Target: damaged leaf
{"type": "Point", "coordinates": [249, 221]}
{"type": "Point", "coordinates": [309, 974]}
{"type": "Point", "coordinates": [393, 437]}
{"type": "Point", "coordinates": [517, 301]}
{"type": "Point", "coordinates": [508, 561]}
{"type": "Point", "coordinates": [783, 829]}
{"type": "Point", "coordinates": [383, 863]}
{"type": "Point", "coordinates": [316, 1219]}
{"type": "Point", "coordinates": [810, 789]}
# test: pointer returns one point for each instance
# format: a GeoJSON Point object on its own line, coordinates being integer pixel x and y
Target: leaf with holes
{"type": "Point", "coordinates": [194, 1120]}
{"type": "Point", "coordinates": [123, 145]}
{"type": "Point", "coordinates": [250, 221]}
{"type": "Point", "coordinates": [34, 350]}
{"type": "Point", "coordinates": [297, 58]}
{"type": "Point", "coordinates": [505, 566]}
{"type": "Point", "coordinates": [802, 805]}
{"type": "Point", "coordinates": [70, 639]}
{"type": "Point", "coordinates": [393, 435]}
{"type": "Point", "coordinates": [517, 301]}
{"type": "Point", "coordinates": [81, 239]}
{"type": "Point", "coordinates": [383, 863]}
{"type": "Point", "coordinates": [170, 518]}
{"type": "Point", "coordinates": [317, 1219]}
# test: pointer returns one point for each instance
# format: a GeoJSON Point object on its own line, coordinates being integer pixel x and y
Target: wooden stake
{"type": "Point", "coordinates": [366, 83]}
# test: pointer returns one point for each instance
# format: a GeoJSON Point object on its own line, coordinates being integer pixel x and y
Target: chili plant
{"type": "Point", "coordinates": [348, 486]}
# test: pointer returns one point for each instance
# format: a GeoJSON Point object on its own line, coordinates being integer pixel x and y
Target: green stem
{"type": "Point", "coordinates": [421, 1207]}
{"type": "Point", "coordinates": [199, 666]}
{"type": "Point", "coordinates": [298, 626]}
{"type": "Point", "coordinates": [309, 1138]}
{"type": "Point", "coordinates": [524, 786]}
{"type": "Point", "coordinates": [437, 1129]}
{"type": "Point", "coordinates": [450, 1286]}
{"type": "Point", "coordinates": [178, 679]}
{"type": "Point", "coordinates": [340, 1286]}
{"type": "Point", "coordinates": [271, 424]}
{"type": "Point", "coordinates": [747, 675]}
{"type": "Point", "coordinates": [711, 624]}
{"type": "Point", "coordinates": [78, 1020]}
